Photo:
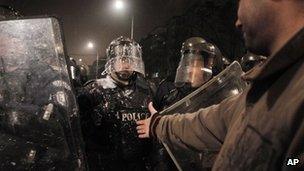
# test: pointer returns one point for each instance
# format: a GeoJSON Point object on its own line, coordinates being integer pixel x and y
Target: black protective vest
{"type": "Point", "coordinates": [110, 119]}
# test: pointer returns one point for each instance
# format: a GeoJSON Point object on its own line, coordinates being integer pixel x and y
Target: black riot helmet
{"type": "Point", "coordinates": [250, 60]}
{"type": "Point", "coordinates": [124, 58]}
{"type": "Point", "coordinates": [200, 61]}
{"type": "Point", "coordinates": [83, 70]}
{"type": "Point", "coordinates": [83, 73]}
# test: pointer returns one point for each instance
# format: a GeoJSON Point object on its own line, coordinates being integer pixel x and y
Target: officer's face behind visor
{"type": "Point", "coordinates": [199, 74]}
{"type": "Point", "coordinates": [124, 67]}
{"type": "Point", "coordinates": [196, 71]}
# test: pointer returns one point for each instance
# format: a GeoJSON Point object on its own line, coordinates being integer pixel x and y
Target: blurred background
{"type": "Point", "coordinates": [160, 26]}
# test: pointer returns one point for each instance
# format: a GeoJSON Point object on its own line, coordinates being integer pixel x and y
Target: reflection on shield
{"type": "Point", "coordinates": [226, 84]}
{"type": "Point", "coordinates": [39, 124]}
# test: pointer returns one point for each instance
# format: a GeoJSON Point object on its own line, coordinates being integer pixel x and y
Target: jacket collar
{"type": "Point", "coordinates": [284, 58]}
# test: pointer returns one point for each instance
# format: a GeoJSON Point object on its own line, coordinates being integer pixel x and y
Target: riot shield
{"type": "Point", "coordinates": [39, 124]}
{"type": "Point", "coordinates": [227, 83]}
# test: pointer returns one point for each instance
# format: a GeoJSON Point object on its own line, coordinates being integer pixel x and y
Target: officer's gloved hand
{"type": "Point", "coordinates": [143, 127]}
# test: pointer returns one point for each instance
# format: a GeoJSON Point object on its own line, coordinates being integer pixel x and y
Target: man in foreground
{"type": "Point", "coordinates": [263, 127]}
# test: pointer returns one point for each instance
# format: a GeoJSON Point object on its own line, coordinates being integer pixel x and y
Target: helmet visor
{"type": "Point", "coordinates": [194, 69]}
{"type": "Point", "coordinates": [121, 64]}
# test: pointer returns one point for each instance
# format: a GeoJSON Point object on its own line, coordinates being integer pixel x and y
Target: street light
{"type": "Point", "coordinates": [120, 5]}
{"type": "Point", "coordinates": [90, 45]}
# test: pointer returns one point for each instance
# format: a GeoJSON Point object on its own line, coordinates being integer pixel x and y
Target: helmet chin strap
{"type": "Point", "coordinates": [121, 81]}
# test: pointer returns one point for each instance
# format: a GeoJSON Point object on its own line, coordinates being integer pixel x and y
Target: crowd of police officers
{"type": "Point", "coordinates": [108, 107]}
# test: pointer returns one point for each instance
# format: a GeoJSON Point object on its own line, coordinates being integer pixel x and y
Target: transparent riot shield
{"type": "Point", "coordinates": [227, 83]}
{"type": "Point", "coordinates": [39, 124]}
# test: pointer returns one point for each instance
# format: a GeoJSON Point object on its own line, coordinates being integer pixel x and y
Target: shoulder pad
{"type": "Point", "coordinates": [142, 83]}
{"type": "Point", "coordinates": [106, 83]}
{"type": "Point", "coordinates": [61, 84]}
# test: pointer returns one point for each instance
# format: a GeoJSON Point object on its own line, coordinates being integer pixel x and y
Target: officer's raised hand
{"type": "Point", "coordinates": [144, 125]}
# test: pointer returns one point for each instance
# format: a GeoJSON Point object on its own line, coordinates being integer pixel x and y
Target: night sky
{"type": "Point", "coordinates": [97, 21]}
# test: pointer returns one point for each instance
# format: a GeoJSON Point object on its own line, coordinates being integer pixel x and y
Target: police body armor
{"type": "Point", "coordinates": [111, 127]}
{"type": "Point", "coordinates": [176, 94]}
{"type": "Point", "coordinates": [166, 95]}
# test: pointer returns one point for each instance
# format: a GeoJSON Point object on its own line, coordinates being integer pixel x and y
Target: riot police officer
{"type": "Point", "coordinates": [83, 74]}
{"type": "Point", "coordinates": [78, 73]}
{"type": "Point", "coordinates": [200, 61]}
{"type": "Point", "coordinates": [110, 107]}
{"type": "Point", "coordinates": [74, 73]}
{"type": "Point", "coordinates": [39, 120]}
